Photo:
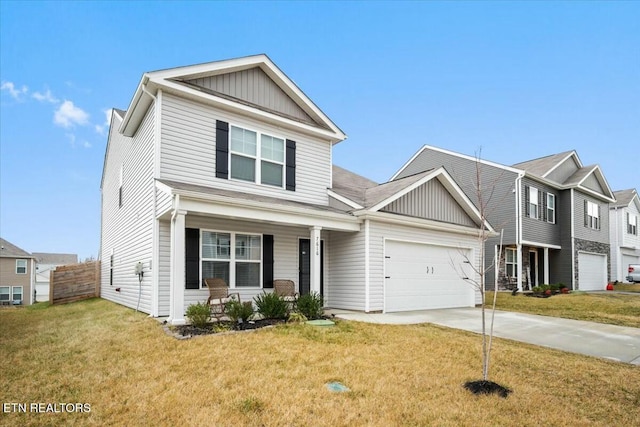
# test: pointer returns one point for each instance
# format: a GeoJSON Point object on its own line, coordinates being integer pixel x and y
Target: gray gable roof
{"type": "Point", "coordinates": [57, 259]}
{"type": "Point", "coordinates": [375, 195]}
{"type": "Point", "coordinates": [542, 165]}
{"type": "Point", "coordinates": [624, 197]}
{"type": "Point", "coordinates": [9, 250]}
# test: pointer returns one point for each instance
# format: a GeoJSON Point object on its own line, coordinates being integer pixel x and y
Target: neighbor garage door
{"type": "Point", "coordinates": [420, 276]}
{"type": "Point", "coordinates": [592, 272]}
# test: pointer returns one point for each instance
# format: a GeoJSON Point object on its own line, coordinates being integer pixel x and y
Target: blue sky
{"type": "Point", "coordinates": [516, 80]}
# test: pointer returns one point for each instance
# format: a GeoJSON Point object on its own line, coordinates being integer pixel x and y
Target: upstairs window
{"type": "Point", "coordinates": [592, 215]}
{"type": "Point", "coordinates": [551, 208]}
{"type": "Point", "coordinates": [532, 202]}
{"type": "Point", "coordinates": [632, 224]}
{"type": "Point", "coordinates": [21, 266]}
{"type": "Point", "coordinates": [257, 157]}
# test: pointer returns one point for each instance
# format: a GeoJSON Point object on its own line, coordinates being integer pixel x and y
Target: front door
{"type": "Point", "coordinates": [304, 266]}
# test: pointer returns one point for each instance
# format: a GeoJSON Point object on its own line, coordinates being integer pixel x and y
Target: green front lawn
{"type": "Point", "coordinates": [615, 309]}
{"type": "Point", "coordinates": [130, 372]}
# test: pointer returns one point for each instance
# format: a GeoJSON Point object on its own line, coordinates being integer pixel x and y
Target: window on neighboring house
{"type": "Point", "coordinates": [236, 258]}
{"type": "Point", "coordinates": [21, 266]}
{"type": "Point", "coordinates": [5, 293]}
{"type": "Point", "coordinates": [511, 262]}
{"type": "Point", "coordinates": [257, 157]}
{"type": "Point", "coordinates": [16, 294]}
{"type": "Point", "coordinates": [592, 215]}
{"type": "Point", "coordinates": [551, 208]}
{"type": "Point", "coordinates": [632, 224]}
{"type": "Point", "coordinates": [532, 201]}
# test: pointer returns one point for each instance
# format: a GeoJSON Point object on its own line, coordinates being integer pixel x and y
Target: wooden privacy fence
{"type": "Point", "coordinates": [74, 282]}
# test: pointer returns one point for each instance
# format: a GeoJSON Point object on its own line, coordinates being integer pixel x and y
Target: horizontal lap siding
{"type": "Point", "coordinates": [163, 202]}
{"type": "Point", "coordinates": [379, 231]}
{"type": "Point", "coordinates": [164, 267]}
{"type": "Point", "coordinates": [128, 230]}
{"type": "Point", "coordinates": [539, 230]}
{"type": "Point", "coordinates": [585, 233]}
{"type": "Point", "coordinates": [285, 240]}
{"type": "Point", "coordinates": [188, 152]}
{"type": "Point", "coordinates": [346, 285]}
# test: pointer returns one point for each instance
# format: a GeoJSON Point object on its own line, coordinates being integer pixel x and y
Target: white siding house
{"type": "Point", "coordinates": [624, 220]}
{"type": "Point", "coordinates": [224, 170]}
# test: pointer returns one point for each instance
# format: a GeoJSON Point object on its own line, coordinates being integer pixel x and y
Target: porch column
{"type": "Point", "coordinates": [546, 266]}
{"type": "Point", "coordinates": [519, 266]}
{"type": "Point", "coordinates": [176, 293]}
{"type": "Point", "coordinates": [314, 286]}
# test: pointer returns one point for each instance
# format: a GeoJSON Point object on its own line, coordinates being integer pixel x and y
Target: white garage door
{"type": "Point", "coordinates": [420, 276]}
{"type": "Point", "coordinates": [592, 272]}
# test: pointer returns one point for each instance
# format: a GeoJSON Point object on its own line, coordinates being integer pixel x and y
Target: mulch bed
{"type": "Point", "coordinates": [225, 326]}
{"type": "Point", "coordinates": [486, 387]}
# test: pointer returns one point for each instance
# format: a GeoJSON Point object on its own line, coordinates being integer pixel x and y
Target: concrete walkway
{"type": "Point", "coordinates": [611, 342]}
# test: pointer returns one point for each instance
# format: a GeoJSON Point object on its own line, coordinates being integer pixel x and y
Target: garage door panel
{"type": "Point", "coordinates": [421, 276]}
{"type": "Point", "coordinates": [592, 272]}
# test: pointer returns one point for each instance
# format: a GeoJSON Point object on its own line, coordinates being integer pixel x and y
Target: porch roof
{"type": "Point", "coordinates": [220, 202]}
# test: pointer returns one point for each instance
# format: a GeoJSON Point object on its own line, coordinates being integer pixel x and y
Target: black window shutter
{"type": "Point", "coordinates": [291, 165]}
{"type": "Point", "coordinates": [267, 261]}
{"type": "Point", "coordinates": [540, 204]}
{"type": "Point", "coordinates": [599, 218]}
{"type": "Point", "coordinates": [527, 208]}
{"type": "Point", "coordinates": [192, 258]}
{"type": "Point", "coordinates": [222, 149]}
{"type": "Point", "coordinates": [543, 206]}
{"type": "Point", "coordinates": [586, 214]}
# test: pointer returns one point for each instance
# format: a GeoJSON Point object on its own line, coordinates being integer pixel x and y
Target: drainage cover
{"type": "Point", "coordinates": [337, 387]}
{"type": "Point", "coordinates": [320, 322]}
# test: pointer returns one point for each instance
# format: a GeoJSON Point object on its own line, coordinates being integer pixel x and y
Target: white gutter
{"type": "Point", "coordinates": [518, 188]}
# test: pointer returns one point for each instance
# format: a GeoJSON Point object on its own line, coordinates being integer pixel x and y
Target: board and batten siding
{"type": "Point", "coordinates": [380, 231]}
{"type": "Point", "coordinates": [539, 230]}
{"type": "Point", "coordinates": [346, 288]}
{"type": "Point", "coordinates": [285, 248]}
{"type": "Point", "coordinates": [127, 231]}
{"type": "Point", "coordinates": [188, 152]}
{"type": "Point", "coordinates": [592, 183]}
{"type": "Point", "coordinates": [431, 201]}
{"type": "Point", "coordinates": [254, 86]}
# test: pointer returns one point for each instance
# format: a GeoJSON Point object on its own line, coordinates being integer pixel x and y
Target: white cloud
{"type": "Point", "coordinates": [15, 92]}
{"type": "Point", "coordinates": [101, 129]}
{"type": "Point", "coordinates": [86, 144]}
{"type": "Point", "coordinates": [45, 97]}
{"type": "Point", "coordinates": [68, 115]}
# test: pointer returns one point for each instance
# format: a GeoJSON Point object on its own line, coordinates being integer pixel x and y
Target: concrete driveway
{"type": "Point", "coordinates": [611, 342]}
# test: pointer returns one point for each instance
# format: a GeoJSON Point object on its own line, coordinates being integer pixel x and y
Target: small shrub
{"type": "Point", "coordinates": [198, 314]}
{"type": "Point", "coordinates": [296, 317]}
{"type": "Point", "coordinates": [310, 305]}
{"type": "Point", "coordinates": [239, 311]}
{"type": "Point", "coordinates": [537, 290]}
{"type": "Point", "coordinates": [554, 287]}
{"type": "Point", "coordinates": [271, 306]}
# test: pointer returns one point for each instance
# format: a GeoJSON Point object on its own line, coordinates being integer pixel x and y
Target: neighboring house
{"type": "Point", "coordinates": [623, 230]}
{"type": "Point", "coordinates": [553, 211]}
{"type": "Point", "coordinates": [17, 270]}
{"type": "Point", "coordinates": [45, 264]}
{"type": "Point", "coordinates": [224, 170]}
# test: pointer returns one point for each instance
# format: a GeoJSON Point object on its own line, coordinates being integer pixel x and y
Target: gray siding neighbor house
{"type": "Point", "coordinates": [17, 272]}
{"type": "Point", "coordinates": [553, 212]}
{"type": "Point", "coordinates": [224, 170]}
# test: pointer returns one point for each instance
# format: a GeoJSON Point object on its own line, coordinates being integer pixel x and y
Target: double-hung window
{"type": "Point", "coordinates": [16, 294]}
{"type": "Point", "coordinates": [511, 262]}
{"type": "Point", "coordinates": [551, 208]}
{"type": "Point", "coordinates": [533, 202]}
{"type": "Point", "coordinates": [21, 266]}
{"type": "Point", "coordinates": [592, 217]}
{"type": "Point", "coordinates": [257, 157]}
{"type": "Point", "coordinates": [234, 257]}
{"type": "Point", "coordinates": [5, 294]}
{"type": "Point", "coordinates": [632, 224]}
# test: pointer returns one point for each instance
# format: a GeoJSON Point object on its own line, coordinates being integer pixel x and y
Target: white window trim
{"type": "Point", "coordinates": [533, 201]}
{"type": "Point", "coordinates": [514, 263]}
{"type": "Point", "coordinates": [258, 157]}
{"type": "Point", "coordinates": [632, 225]}
{"type": "Point", "coordinates": [593, 220]}
{"type": "Point", "coordinates": [551, 196]}
{"type": "Point", "coordinates": [26, 266]}
{"type": "Point", "coordinates": [232, 257]}
{"type": "Point", "coordinates": [13, 293]}
{"type": "Point", "coordinates": [9, 294]}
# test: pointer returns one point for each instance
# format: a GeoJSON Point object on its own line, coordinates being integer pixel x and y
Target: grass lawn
{"type": "Point", "coordinates": [615, 309]}
{"type": "Point", "coordinates": [132, 373]}
{"type": "Point", "coordinates": [627, 287]}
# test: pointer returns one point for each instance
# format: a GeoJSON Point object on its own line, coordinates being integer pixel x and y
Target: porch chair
{"type": "Point", "coordinates": [286, 290]}
{"type": "Point", "coordinates": [219, 296]}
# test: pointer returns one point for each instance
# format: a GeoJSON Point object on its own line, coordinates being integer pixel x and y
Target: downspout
{"type": "Point", "coordinates": [519, 229]}
{"type": "Point", "coordinates": [617, 250]}
{"type": "Point", "coordinates": [367, 297]}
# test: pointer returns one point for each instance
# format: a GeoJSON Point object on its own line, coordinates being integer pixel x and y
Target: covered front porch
{"type": "Point", "coordinates": [525, 266]}
{"type": "Point", "coordinates": [246, 241]}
